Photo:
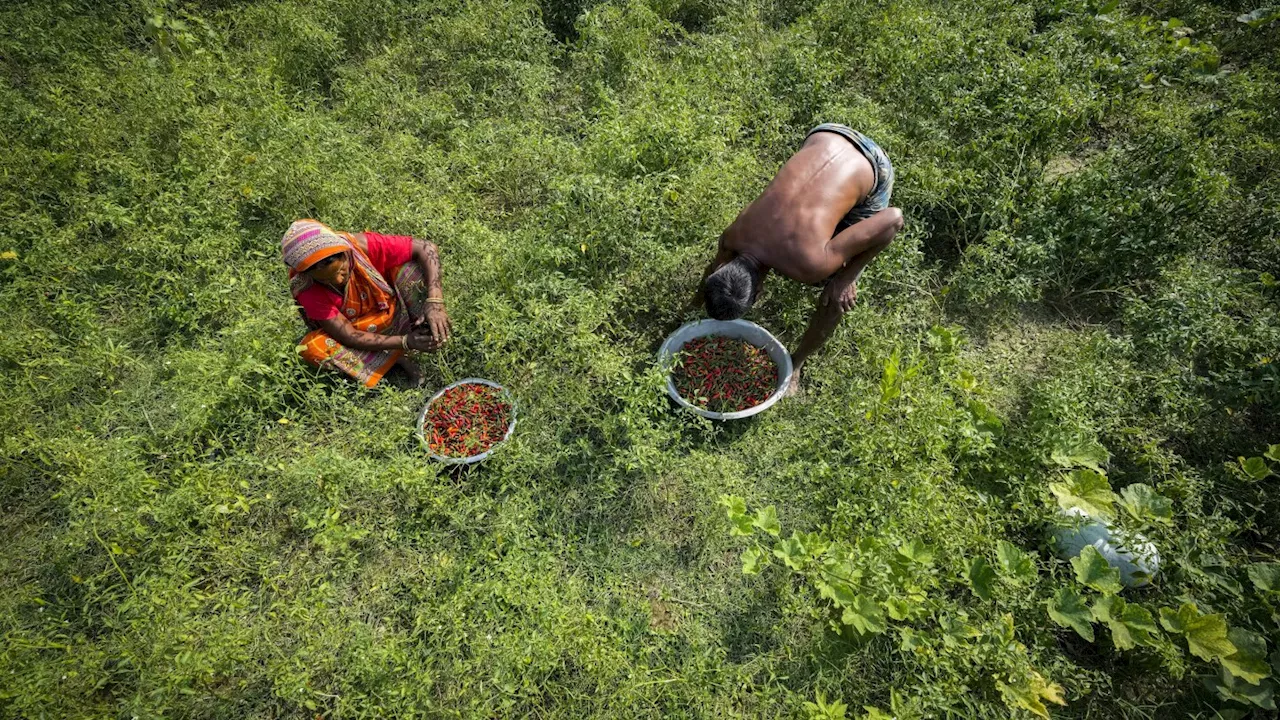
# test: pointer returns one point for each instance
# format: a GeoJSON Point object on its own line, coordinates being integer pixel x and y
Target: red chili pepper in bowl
{"type": "Point", "coordinates": [466, 420]}
{"type": "Point", "coordinates": [724, 374]}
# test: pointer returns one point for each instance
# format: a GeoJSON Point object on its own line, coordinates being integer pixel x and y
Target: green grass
{"type": "Point", "coordinates": [197, 525]}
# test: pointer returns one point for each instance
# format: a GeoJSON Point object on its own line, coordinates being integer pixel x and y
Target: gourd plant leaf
{"type": "Point", "coordinates": [1130, 624]}
{"type": "Point", "coordinates": [1031, 695]}
{"type": "Point", "coordinates": [1265, 576]}
{"type": "Point", "coordinates": [1255, 467]}
{"type": "Point", "coordinates": [733, 505]}
{"type": "Point", "coordinates": [767, 520]}
{"type": "Point", "coordinates": [840, 593]}
{"type": "Point", "coordinates": [864, 615]}
{"type": "Point", "coordinates": [1088, 491]}
{"type": "Point", "coordinates": [791, 552]}
{"type": "Point", "coordinates": [736, 511]}
{"type": "Point", "coordinates": [1144, 503]}
{"type": "Point", "coordinates": [1092, 570]}
{"type": "Point", "coordinates": [1206, 634]}
{"type": "Point", "coordinates": [1014, 563]}
{"type": "Point", "coordinates": [1273, 451]}
{"type": "Point", "coordinates": [917, 551]}
{"type": "Point", "coordinates": [1233, 689]}
{"type": "Point", "coordinates": [740, 525]}
{"type": "Point", "coordinates": [1249, 661]}
{"type": "Point", "coordinates": [981, 577]}
{"type": "Point", "coordinates": [1067, 609]}
{"type": "Point", "coordinates": [753, 558]}
{"type": "Point", "coordinates": [955, 630]}
{"type": "Point", "coordinates": [899, 608]}
{"type": "Point", "coordinates": [1080, 452]}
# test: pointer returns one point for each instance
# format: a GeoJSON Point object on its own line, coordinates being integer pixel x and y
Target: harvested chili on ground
{"type": "Point", "coordinates": [724, 374]}
{"type": "Point", "coordinates": [466, 420]}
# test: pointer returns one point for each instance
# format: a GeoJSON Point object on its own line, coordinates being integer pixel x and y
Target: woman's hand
{"type": "Point", "coordinates": [437, 319]}
{"type": "Point", "coordinates": [421, 339]}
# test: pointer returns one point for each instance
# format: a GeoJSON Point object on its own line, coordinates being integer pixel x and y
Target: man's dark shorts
{"type": "Point", "coordinates": [881, 189]}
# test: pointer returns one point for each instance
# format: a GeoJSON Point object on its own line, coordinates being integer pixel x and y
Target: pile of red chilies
{"type": "Point", "coordinates": [724, 374]}
{"type": "Point", "coordinates": [466, 420]}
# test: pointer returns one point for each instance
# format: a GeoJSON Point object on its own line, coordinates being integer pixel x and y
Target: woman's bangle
{"type": "Point", "coordinates": [404, 341]}
{"type": "Point", "coordinates": [439, 301]}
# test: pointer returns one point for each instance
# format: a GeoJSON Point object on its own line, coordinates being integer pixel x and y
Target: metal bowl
{"type": "Point", "coordinates": [742, 330]}
{"type": "Point", "coordinates": [422, 418]}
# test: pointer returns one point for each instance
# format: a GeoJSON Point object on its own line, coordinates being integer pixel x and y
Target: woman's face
{"type": "Point", "coordinates": [333, 270]}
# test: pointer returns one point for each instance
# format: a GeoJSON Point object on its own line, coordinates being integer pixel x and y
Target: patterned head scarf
{"type": "Point", "coordinates": [307, 242]}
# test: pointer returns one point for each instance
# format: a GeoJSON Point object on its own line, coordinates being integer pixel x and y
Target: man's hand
{"type": "Point", "coordinates": [842, 292]}
{"type": "Point", "coordinates": [436, 319]}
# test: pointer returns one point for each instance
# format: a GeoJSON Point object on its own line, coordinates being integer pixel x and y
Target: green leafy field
{"type": "Point", "coordinates": [1082, 311]}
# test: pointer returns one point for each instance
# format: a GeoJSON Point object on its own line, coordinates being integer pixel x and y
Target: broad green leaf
{"type": "Point", "coordinates": [814, 544]}
{"type": "Point", "coordinates": [899, 609]}
{"type": "Point", "coordinates": [735, 509]}
{"type": "Point", "coordinates": [1265, 576]}
{"type": "Point", "coordinates": [753, 559]}
{"type": "Point", "coordinates": [1092, 570]}
{"type": "Point", "coordinates": [1014, 563]}
{"type": "Point", "coordinates": [1206, 634]}
{"type": "Point", "coordinates": [1130, 624]}
{"type": "Point", "coordinates": [917, 551]}
{"type": "Point", "coordinates": [1233, 689]}
{"type": "Point", "coordinates": [791, 552]}
{"type": "Point", "coordinates": [1031, 694]}
{"type": "Point", "coordinates": [1106, 608]}
{"type": "Point", "coordinates": [943, 338]}
{"type": "Point", "coordinates": [1088, 491]}
{"type": "Point", "coordinates": [842, 594]}
{"type": "Point", "coordinates": [767, 520]}
{"type": "Point", "coordinates": [981, 577]}
{"type": "Point", "coordinates": [1249, 661]}
{"type": "Point", "coordinates": [740, 525]}
{"type": "Point", "coordinates": [955, 631]}
{"type": "Point", "coordinates": [1074, 453]}
{"type": "Point", "coordinates": [1067, 609]}
{"type": "Point", "coordinates": [984, 421]}
{"type": "Point", "coordinates": [864, 615]}
{"type": "Point", "coordinates": [1273, 451]}
{"type": "Point", "coordinates": [1255, 467]}
{"type": "Point", "coordinates": [1144, 503]}
{"type": "Point", "coordinates": [733, 504]}
{"type": "Point", "coordinates": [823, 710]}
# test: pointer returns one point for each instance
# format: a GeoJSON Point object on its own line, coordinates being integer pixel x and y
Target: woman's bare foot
{"type": "Point", "coordinates": [410, 369]}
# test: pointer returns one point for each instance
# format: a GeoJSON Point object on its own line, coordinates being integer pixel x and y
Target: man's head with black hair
{"type": "Point", "coordinates": [733, 288]}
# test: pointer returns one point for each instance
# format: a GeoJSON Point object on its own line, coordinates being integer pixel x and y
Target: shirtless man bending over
{"type": "Point", "coordinates": [820, 221]}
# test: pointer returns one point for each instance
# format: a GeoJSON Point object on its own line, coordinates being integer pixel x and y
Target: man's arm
{"type": "Point", "coordinates": [427, 256]}
{"type": "Point", "coordinates": [858, 245]}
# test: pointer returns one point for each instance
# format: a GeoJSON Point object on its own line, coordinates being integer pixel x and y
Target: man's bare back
{"type": "Point", "coordinates": [821, 220]}
{"type": "Point", "coordinates": [789, 228]}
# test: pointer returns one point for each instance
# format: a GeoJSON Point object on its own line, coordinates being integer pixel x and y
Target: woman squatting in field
{"type": "Point", "coordinates": [367, 299]}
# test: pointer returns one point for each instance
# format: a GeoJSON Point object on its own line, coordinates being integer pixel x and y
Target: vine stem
{"type": "Point", "coordinates": [112, 555]}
